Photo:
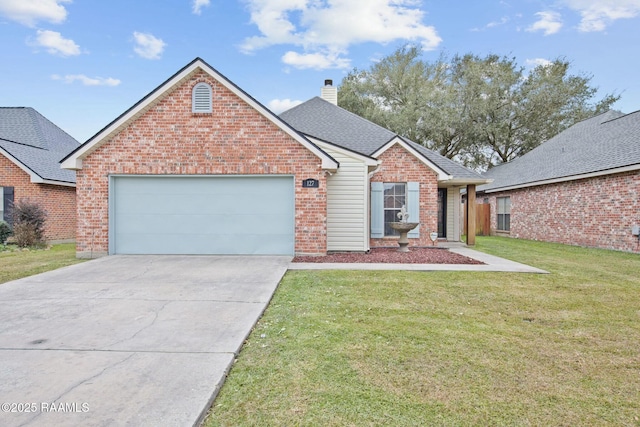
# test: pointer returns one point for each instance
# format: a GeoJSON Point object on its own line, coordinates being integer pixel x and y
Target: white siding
{"type": "Point", "coordinates": [453, 214]}
{"type": "Point", "coordinates": [347, 203]}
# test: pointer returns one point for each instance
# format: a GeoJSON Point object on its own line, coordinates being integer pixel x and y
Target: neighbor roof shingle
{"type": "Point", "coordinates": [607, 141]}
{"type": "Point", "coordinates": [36, 143]}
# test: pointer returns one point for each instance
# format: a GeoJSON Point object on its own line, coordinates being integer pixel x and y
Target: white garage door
{"type": "Point", "coordinates": [201, 215]}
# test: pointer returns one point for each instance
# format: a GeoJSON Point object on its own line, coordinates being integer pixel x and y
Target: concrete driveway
{"type": "Point", "coordinates": [127, 340]}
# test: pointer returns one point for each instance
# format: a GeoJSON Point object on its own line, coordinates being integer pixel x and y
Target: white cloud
{"type": "Point", "coordinates": [318, 26]}
{"type": "Point", "coordinates": [549, 23]}
{"type": "Point", "coordinates": [280, 105]}
{"type": "Point", "coordinates": [502, 21]}
{"type": "Point", "coordinates": [598, 14]}
{"type": "Point", "coordinates": [317, 61]}
{"type": "Point", "coordinates": [87, 81]}
{"type": "Point", "coordinates": [55, 43]}
{"type": "Point", "coordinates": [148, 46]}
{"type": "Point", "coordinates": [199, 4]}
{"type": "Point", "coordinates": [536, 62]}
{"type": "Point", "coordinates": [29, 12]}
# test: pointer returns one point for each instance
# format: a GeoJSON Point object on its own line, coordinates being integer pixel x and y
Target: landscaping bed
{"type": "Point", "coordinates": [392, 256]}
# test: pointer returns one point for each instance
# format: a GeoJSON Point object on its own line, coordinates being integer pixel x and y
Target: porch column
{"type": "Point", "coordinates": [471, 214]}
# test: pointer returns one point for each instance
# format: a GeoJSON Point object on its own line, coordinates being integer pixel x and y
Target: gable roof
{"type": "Point", "coordinates": [74, 159]}
{"type": "Point", "coordinates": [36, 145]}
{"type": "Point", "coordinates": [323, 120]}
{"type": "Point", "coordinates": [605, 144]}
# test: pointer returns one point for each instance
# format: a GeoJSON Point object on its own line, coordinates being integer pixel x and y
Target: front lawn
{"type": "Point", "coordinates": [17, 264]}
{"type": "Point", "coordinates": [339, 348]}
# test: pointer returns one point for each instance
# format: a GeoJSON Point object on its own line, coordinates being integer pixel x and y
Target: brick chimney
{"type": "Point", "coordinates": [329, 92]}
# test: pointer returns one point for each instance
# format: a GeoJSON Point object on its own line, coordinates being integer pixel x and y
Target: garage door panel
{"type": "Point", "coordinates": [207, 224]}
{"type": "Point", "coordinates": [201, 244]}
{"type": "Point", "coordinates": [202, 215]}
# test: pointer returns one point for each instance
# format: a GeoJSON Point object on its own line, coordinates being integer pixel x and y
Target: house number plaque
{"type": "Point", "coordinates": [310, 183]}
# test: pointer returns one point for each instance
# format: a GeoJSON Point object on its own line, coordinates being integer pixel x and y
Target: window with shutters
{"type": "Point", "coordinates": [387, 198]}
{"type": "Point", "coordinates": [201, 98]}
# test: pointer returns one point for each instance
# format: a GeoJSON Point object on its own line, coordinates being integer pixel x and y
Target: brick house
{"type": "Point", "coordinates": [581, 187]}
{"type": "Point", "coordinates": [199, 166]}
{"type": "Point", "coordinates": [31, 148]}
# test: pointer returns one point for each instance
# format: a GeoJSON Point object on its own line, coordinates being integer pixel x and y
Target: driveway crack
{"type": "Point", "coordinates": [156, 315]}
{"type": "Point", "coordinates": [73, 387]}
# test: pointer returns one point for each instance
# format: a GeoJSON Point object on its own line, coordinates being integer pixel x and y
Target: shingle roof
{"type": "Point", "coordinates": [605, 142]}
{"type": "Point", "coordinates": [328, 122]}
{"type": "Point", "coordinates": [36, 143]}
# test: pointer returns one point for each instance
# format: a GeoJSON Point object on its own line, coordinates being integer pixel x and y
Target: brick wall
{"type": "Point", "coordinates": [59, 201]}
{"type": "Point", "coordinates": [398, 165]}
{"type": "Point", "coordinates": [594, 212]}
{"type": "Point", "coordinates": [170, 139]}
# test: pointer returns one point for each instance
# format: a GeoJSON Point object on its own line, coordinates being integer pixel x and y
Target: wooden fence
{"type": "Point", "coordinates": [483, 219]}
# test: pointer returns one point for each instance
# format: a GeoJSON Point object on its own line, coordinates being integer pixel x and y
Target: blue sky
{"type": "Point", "coordinates": [82, 63]}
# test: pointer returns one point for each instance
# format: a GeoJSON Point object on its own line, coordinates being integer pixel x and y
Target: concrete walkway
{"type": "Point", "coordinates": [127, 340]}
{"type": "Point", "coordinates": [491, 263]}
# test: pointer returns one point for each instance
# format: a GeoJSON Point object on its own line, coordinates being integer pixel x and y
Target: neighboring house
{"type": "Point", "coordinates": [581, 187]}
{"type": "Point", "coordinates": [31, 148]}
{"type": "Point", "coordinates": [199, 166]}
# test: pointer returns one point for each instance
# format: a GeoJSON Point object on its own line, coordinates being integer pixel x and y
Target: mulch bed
{"type": "Point", "coordinates": [392, 256]}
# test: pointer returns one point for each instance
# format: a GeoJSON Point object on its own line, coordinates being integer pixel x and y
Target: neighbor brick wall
{"type": "Point", "coordinates": [594, 212]}
{"type": "Point", "coordinates": [170, 139]}
{"type": "Point", "coordinates": [398, 165]}
{"type": "Point", "coordinates": [59, 201]}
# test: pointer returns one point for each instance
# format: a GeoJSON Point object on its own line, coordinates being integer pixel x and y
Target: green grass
{"type": "Point", "coordinates": [17, 264]}
{"type": "Point", "coordinates": [338, 348]}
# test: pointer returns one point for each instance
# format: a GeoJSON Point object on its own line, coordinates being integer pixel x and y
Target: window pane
{"type": "Point", "coordinates": [507, 222]}
{"type": "Point", "coordinates": [500, 221]}
{"type": "Point", "coordinates": [390, 216]}
{"type": "Point", "coordinates": [389, 202]}
{"type": "Point", "coordinates": [503, 205]}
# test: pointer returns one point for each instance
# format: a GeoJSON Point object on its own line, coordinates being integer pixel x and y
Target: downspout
{"type": "Point", "coordinates": [368, 194]}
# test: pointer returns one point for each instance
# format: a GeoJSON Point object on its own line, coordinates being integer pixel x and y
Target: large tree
{"type": "Point", "coordinates": [479, 110]}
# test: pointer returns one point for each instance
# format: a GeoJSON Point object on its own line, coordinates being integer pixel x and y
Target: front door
{"type": "Point", "coordinates": [442, 212]}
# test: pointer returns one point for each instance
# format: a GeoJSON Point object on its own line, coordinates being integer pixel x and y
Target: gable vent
{"type": "Point", "coordinates": [201, 98]}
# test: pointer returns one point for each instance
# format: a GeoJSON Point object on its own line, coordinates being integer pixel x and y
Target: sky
{"type": "Point", "coordinates": [82, 63]}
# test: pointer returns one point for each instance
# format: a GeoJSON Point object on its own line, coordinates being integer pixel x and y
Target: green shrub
{"type": "Point", "coordinates": [28, 223]}
{"type": "Point", "coordinates": [5, 232]}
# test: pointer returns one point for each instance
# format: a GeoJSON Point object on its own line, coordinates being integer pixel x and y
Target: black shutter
{"type": "Point", "coordinates": [7, 202]}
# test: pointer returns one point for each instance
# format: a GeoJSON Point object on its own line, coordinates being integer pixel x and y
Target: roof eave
{"type": "Point", "coordinates": [34, 178]}
{"type": "Point", "coordinates": [369, 161]}
{"type": "Point", "coordinates": [595, 174]}
{"type": "Point", "coordinates": [467, 181]}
